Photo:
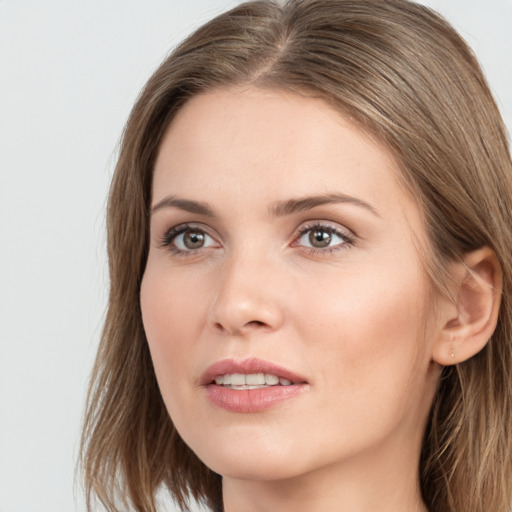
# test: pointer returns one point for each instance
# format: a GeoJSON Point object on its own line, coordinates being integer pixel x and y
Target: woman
{"type": "Point", "coordinates": [309, 242]}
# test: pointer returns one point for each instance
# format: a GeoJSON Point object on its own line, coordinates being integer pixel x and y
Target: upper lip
{"type": "Point", "coordinates": [247, 366]}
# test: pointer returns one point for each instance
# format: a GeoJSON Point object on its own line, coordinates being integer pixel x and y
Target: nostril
{"type": "Point", "coordinates": [253, 323]}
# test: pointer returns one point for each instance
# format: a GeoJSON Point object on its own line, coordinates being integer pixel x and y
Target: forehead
{"type": "Point", "coordinates": [249, 146]}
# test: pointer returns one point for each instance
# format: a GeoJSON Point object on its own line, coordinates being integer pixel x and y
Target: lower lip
{"type": "Point", "coordinates": [251, 400]}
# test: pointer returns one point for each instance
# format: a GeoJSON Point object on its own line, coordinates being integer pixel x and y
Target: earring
{"type": "Point", "coordinates": [452, 353]}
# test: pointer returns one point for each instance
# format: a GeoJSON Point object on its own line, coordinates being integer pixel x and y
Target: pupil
{"type": "Point", "coordinates": [320, 238]}
{"type": "Point", "coordinates": [193, 239]}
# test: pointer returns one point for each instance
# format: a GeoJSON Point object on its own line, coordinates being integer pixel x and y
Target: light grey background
{"type": "Point", "coordinates": [69, 73]}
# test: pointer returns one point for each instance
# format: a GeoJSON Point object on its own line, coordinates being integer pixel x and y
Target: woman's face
{"type": "Point", "coordinates": [284, 301]}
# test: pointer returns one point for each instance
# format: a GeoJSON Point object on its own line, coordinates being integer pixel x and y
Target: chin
{"type": "Point", "coordinates": [258, 456]}
{"type": "Point", "coordinates": [257, 468]}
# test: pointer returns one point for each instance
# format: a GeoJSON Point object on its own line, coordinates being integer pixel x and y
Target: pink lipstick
{"type": "Point", "coordinates": [250, 385]}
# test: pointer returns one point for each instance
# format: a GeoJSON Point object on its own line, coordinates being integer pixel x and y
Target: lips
{"type": "Point", "coordinates": [250, 385]}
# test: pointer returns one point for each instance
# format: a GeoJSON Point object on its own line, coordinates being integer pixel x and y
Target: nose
{"type": "Point", "coordinates": [249, 296]}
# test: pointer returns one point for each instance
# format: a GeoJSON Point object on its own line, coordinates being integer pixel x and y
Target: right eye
{"type": "Point", "coordinates": [187, 239]}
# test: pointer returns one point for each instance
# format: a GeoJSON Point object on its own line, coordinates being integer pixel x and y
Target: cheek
{"type": "Point", "coordinates": [369, 328]}
{"type": "Point", "coordinates": [367, 339]}
{"type": "Point", "coordinates": [168, 324]}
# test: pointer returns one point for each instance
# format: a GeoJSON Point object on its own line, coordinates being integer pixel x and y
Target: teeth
{"type": "Point", "coordinates": [271, 380]}
{"type": "Point", "coordinates": [251, 380]}
{"type": "Point", "coordinates": [238, 379]}
{"type": "Point", "coordinates": [255, 379]}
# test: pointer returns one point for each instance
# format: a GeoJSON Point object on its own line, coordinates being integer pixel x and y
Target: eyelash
{"type": "Point", "coordinates": [348, 238]}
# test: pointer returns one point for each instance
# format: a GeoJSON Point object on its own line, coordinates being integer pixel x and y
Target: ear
{"type": "Point", "coordinates": [469, 321]}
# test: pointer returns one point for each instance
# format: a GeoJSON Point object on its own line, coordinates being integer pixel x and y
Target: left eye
{"type": "Point", "coordinates": [321, 237]}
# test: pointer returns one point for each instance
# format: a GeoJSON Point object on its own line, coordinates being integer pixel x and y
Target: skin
{"type": "Point", "coordinates": [352, 318]}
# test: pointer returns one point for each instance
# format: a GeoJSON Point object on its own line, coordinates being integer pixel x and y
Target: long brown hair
{"type": "Point", "coordinates": [399, 70]}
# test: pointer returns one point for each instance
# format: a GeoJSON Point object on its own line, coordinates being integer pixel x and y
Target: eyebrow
{"type": "Point", "coordinates": [280, 209]}
{"type": "Point", "coordinates": [184, 204]}
{"type": "Point", "coordinates": [307, 203]}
